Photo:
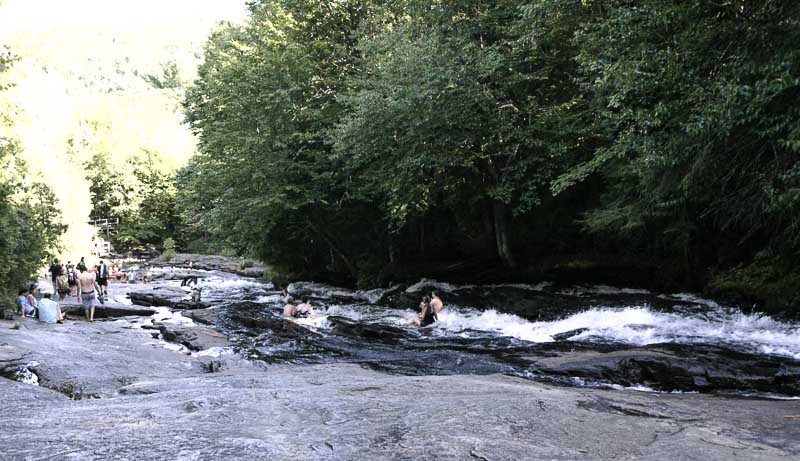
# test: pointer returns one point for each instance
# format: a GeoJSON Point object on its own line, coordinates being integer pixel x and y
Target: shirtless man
{"type": "Point", "coordinates": [87, 292]}
{"type": "Point", "coordinates": [297, 311]}
{"type": "Point", "coordinates": [436, 302]}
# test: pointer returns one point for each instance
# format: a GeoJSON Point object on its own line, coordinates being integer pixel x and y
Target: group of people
{"type": "Point", "coordinates": [300, 310]}
{"type": "Point", "coordinates": [30, 305]}
{"type": "Point", "coordinates": [429, 310]}
{"type": "Point", "coordinates": [87, 283]}
{"type": "Point", "coordinates": [430, 307]}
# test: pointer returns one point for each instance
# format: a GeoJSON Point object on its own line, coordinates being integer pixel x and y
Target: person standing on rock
{"type": "Point", "coordinates": [87, 291]}
{"type": "Point", "coordinates": [102, 279]}
{"type": "Point", "coordinates": [63, 285]}
{"type": "Point", "coordinates": [71, 278]}
{"type": "Point", "coordinates": [55, 269]}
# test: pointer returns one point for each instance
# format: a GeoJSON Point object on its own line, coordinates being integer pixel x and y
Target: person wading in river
{"type": "Point", "coordinates": [426, 315]}
{"type": "Point", "coordinates": [87, 292]}
{"type": "Point", "coordinates": [436, 302]}
{"type": "Point", "coordinates": [301, 310]}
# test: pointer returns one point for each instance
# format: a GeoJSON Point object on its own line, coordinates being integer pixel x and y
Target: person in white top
{"type": "Point", "coordinates": [49, 310]}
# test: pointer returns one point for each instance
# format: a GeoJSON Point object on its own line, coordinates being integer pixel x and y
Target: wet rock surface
{"type": "Point", "coordinates": [238, 381]}
{"type": "Point", "coordinates": [669, 367]}
{"type": "Point", "coordinates": [193, 338]}
{"type": "Point", "coordinates": [238, 266]}
{"type": "Point", "coordinates": [166, 405]}
{"type": "Point", "coordinates": [165, 296]}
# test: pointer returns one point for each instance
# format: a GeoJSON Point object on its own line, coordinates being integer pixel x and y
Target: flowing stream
{"type": "Point", "coordinates": [561, 334]}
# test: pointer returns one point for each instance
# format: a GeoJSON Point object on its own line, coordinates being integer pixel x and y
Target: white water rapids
{"type": "Point", "coordinates": [693, 320]}
{"type": "Point", "coordinates": [705, 322]}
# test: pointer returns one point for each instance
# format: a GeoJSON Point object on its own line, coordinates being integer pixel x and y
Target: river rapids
{"type": "Point", "coordinates": [597, 336]}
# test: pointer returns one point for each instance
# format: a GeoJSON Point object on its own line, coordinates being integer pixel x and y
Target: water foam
{"type": "Point", "coordinates": [640, 326]}
{"type": "Point", "coordinates": [219, 284]}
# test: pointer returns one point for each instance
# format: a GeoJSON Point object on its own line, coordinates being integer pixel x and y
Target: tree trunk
{"type": "Point", "coordinates": [501, 235]}
{"type": "Point", "coordinates": [335, 248]}
{"type": "Point", "coordinates": [422, 238]}
{"type": "Point", "coordinates": [390, 240]}
{"type": "Point", "coordinates": [488, 239]}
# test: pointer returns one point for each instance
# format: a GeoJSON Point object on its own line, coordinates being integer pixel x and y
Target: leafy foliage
{"type": "Point", "coordinates": [348, 136]}
{"type": "Point", "coordinates": [28, 235]}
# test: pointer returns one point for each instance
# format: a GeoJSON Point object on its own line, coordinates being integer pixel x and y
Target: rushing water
{"type": "Point", "coordinates": [474, 335]}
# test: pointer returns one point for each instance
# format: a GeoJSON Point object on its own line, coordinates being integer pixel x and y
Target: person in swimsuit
{"type": "Point", "coordinates": [297, 311]}
{"type": "Point", "coordinates": [73, 285]}
{"type": "Point", "coordinates": [427, 313]}
{"type": "Point", "coordinates": [436, 302]}
{"type": "Point", "coordinates": [87, 292]}
{"type": "Point", "coordinates": [62, 285]}
{"type": "Point", "coordinates": [102, 279]}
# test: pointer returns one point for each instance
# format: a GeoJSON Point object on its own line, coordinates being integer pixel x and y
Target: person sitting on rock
{"type": "Point", "coordinates": [33, 296]}
{"type": "Point", "coordinates": [24, 306]}
{"type": "Point", "coordinates": [49, 310]}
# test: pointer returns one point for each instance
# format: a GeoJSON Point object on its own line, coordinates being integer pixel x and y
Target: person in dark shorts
{"type": "Point", "coordinates": [55, 269]}
{"type": "Point", "coordinates": [73, 284]}
{"type": "Point", "coordinates": [62, 285]}
{"type": "Point", "coordinates": [102, 280]}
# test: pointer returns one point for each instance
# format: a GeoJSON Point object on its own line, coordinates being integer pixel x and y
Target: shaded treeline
{"type": "Point", "coordinates": [368, 140]}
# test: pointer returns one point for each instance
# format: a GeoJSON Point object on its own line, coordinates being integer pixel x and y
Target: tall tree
{"type": "Point", "coordinates": [28, 233]}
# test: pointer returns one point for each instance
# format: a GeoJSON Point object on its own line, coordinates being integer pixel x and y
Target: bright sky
{"type": "Point", "coordinates": [34, 15]}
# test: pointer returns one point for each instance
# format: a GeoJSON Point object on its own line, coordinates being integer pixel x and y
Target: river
{"type": "Point", "coordinates": [590, 335]}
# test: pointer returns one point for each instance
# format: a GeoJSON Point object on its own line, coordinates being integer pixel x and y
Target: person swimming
{"type": "Point", "coordinates": [298, 311]}
{"type": "Point", "coordinates": [427, 313]}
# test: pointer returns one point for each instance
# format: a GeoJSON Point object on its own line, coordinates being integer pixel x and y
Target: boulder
{"type": "Point", "coordinates": [569, 334]}
{"type": "Point", "coordinates": [166, 296]}
{"type": "Point", "coordinates": [106, 310]}
{"type": "Point", "coordinates": [371, 331]}
{"type": "Point", "coordinates": [194, 338]}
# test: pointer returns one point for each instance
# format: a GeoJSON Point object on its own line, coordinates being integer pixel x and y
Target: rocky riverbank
{"type": "Point", "coordinates": [164, 387]}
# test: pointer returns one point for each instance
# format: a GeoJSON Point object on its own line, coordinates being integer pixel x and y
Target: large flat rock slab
{"type": "Point", "coordinates": [239, 266]}
{"type": "Point", "coordinates": [164, 296]}
{"type": "Point", "coordinates": [345, 412]}
{"type": "Point", "coordinates": [106, 310]}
